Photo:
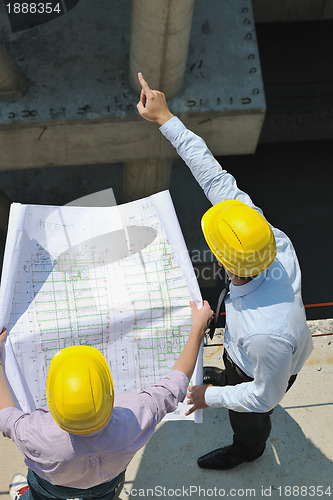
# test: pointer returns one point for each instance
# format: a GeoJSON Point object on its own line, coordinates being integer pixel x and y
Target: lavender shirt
{"type": "Point", "coordinates": [85, 461]}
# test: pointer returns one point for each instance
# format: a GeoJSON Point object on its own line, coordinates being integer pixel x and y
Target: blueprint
{"type": "Point", "coordinates": [117, 278]}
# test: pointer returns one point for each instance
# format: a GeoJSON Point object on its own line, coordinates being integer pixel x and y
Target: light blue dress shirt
{"type": "Point", "coordinates": [266, 333]}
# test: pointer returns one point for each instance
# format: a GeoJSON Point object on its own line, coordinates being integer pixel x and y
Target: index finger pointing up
{"type": "Point", "coordinates": [144, 85]}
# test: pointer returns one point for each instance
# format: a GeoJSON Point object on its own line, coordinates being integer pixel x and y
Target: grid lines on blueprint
{"type": "Point", "coordinates": [105, 277]}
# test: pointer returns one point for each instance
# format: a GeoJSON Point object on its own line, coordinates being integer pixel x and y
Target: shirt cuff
{"type": "Point", "coordinates": [179, 375]}
{"type": "Point", "coordinates": [180, 379]}
{"type": "Point", "coordinates": [213, 397]}
{"type": "Point", "coordinates": [172, 128]}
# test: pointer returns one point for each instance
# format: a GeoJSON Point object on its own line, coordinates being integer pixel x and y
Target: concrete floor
{"type": "Point", "coordinates": [299, 451]}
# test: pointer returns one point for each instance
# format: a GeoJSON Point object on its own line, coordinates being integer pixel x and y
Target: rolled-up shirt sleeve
{"type": "Point", "coordinates": [163, 396]}
{"type": "Point", "coordinates": [271, 358]}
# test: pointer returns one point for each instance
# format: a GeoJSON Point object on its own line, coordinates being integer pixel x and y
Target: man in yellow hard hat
{"type": "Point", "coordinates": [266, 340]}
{"type": "Point", "coordinates": [81, 447]}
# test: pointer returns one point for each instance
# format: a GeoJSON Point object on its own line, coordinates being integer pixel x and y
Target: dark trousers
{"type": "Point", "coordinates": [251, 430]}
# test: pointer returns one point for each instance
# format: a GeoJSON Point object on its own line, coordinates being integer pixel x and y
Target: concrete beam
{"type": "Point", "coordinates": [328, 10]}
{"type": "Point", "coordinates": [65, 143]}
{"type": "Point", "coordinates": [272, 11]}
{"type": "Point", "coordinates": [80, 108]}
{"type": "Point", "coordinates": [13, 84]}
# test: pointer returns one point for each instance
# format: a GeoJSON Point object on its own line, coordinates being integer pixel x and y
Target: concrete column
{"type": "Point", "coordinates": [160, 32]}
{"type": "Point", "coordinates": [4, 211]}
{"type": "Point", "coordinates": [145, 177]}
{"type": "Point", "coordinates": [13, 84]}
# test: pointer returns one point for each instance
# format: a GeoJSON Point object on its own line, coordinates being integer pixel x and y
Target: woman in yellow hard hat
{"type": "Point", "coordinates": [266, 339]}
{"type": "Point", "coordinates": [81, 447]}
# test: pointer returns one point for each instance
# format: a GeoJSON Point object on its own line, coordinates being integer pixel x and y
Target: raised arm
{"type": "Point", "coordinates": [200, 319]}
{"type": "Point", "coordinates": [218, 184]}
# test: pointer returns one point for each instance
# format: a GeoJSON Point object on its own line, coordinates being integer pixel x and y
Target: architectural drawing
{"type": "Point", "coordinates": [115, 284]}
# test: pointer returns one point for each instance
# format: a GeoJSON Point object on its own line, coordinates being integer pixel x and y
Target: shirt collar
{"type": "Point", "coordinates": [241, 290]}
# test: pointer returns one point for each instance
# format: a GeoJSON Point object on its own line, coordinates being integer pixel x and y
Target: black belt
{"type": "Point", "coordinates": [243, 374]}
{"type": "Point", "coordinates": [235, 367]}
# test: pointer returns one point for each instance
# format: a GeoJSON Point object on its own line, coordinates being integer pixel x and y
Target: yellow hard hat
{"type": "Point", "coordinates": [79, 389]}
{"type": "Point", "coordinates": [239, 237]}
